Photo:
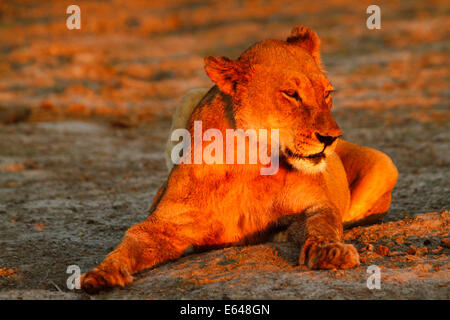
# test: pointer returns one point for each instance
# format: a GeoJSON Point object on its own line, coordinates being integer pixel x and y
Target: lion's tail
{"type": "Point", "coordinates": [181, 117]}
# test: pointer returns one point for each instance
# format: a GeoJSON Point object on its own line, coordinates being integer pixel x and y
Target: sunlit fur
{"type": "Point", "coordinates": [307, 166]}
{"type": "Point", "coordinates": [273, 85]}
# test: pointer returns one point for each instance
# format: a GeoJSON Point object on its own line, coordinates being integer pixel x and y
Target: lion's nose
{"type": "Point", "coordinates": [326, 140]}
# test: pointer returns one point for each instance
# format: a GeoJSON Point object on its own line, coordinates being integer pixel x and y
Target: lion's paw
{"type": "Point", "coordinates": [104, 277]}
{"type": "Point", "coordinates": [329, 255]}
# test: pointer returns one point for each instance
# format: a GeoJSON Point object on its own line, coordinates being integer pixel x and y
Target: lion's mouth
{"type": "Point", "coordinates": [316, 157]}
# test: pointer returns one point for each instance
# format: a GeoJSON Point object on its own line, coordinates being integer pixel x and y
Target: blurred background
{"type": "Point", "coordinates": [84, 114]}
{"type": "Point", "coordinates": [139, 57]}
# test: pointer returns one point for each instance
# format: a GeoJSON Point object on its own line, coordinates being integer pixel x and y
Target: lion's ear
{"type": "Point", "coordinates": [226, 73]}
{"type": "Point", "coordinates": [307, 39]}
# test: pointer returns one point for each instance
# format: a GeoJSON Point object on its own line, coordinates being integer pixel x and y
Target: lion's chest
{"type": "Point", "coordinates": [303, 190]}
{"type": "Point", "coordinates": [239, 205]}
{"type": "Point", "coordinates": [252, 205]}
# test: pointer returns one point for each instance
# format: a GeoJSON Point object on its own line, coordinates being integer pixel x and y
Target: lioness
{"type": "Point", "coordinates": [322, 180]}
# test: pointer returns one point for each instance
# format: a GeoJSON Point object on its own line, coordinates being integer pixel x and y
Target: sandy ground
{"type": "Point", "coordinates": [85, 115]}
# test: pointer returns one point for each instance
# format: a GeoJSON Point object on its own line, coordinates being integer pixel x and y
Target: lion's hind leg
{"type": "Point", "coordinates": [374, 215]}
{"type": "Point", "coordinates": [371, 175]}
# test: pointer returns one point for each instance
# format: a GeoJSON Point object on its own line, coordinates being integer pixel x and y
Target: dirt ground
{"type": "Point", "coordinates": [85, 115]}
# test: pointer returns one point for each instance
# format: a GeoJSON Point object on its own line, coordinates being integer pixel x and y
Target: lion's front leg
{"type": "Point", "coordinates": [143, 246]}
{"type": "Point", "coordinates": [319, 231]}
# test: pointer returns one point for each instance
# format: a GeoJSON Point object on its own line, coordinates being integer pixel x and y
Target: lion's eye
{"type": "Point", "coordinates": [292, 94]}
{"type": "Point", "coordinates": [327, 93]}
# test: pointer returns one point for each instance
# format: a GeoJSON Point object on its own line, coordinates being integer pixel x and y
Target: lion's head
{"type": "Point", "coordinates": [280, 85]}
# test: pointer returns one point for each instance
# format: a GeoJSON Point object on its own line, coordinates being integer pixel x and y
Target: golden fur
{"type": "Point", "coordinates": [322, 181]}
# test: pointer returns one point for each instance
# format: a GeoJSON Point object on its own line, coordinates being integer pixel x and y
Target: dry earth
{"type": "Point", "coordinates": [85, 115]}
